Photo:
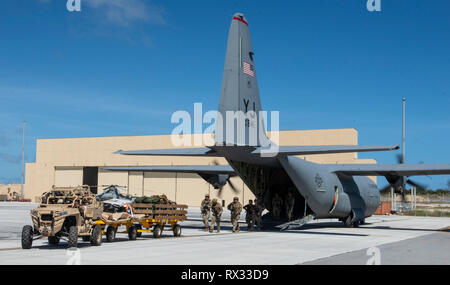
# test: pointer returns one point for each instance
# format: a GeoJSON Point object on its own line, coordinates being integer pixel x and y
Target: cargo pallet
{"type": "Point", "coordinates": [147, 218]}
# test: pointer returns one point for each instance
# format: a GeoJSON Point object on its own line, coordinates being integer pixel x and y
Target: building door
{"type": "Point", "coordinates": [68, 176]}
{"type": "Point", "coordinates": [90, 177]}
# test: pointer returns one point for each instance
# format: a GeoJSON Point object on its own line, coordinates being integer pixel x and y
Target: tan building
{"type": "Point", "coordinates": [77, 161]}
{"type": "Point", "coordinates": [9, 188]}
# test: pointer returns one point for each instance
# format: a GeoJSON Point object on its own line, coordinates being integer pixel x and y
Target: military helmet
{"type": "Point", "coordinates": [214, 200]}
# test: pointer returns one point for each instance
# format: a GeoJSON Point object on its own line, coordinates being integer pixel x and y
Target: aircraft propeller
{"type": "Point", "coordinates": [222, 182]}
{"type": "Point", "coordinates": [399, 182]}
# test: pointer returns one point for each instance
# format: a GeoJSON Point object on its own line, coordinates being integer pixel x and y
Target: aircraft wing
{"type": "Point", "coordinates": [390, 169]}
{"type": "Point", "coordinates": [324, 149]}
{"type": "Point", "coordinates": [203, 169]}
{"type": "Point", "coordinates": [203, 151]}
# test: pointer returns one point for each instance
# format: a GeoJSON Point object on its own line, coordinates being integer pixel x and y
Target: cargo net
{"type": "Point", "coordinates": [159, 207]}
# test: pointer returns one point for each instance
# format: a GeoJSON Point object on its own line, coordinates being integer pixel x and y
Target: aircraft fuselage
{"type": "Point", "coordinates": [327, 194]}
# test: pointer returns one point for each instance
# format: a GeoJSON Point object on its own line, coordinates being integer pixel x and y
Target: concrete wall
{"type": "Point", "coordinates": [60, 162]}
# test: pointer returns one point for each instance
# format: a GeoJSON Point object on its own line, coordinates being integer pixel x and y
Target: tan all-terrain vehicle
{"type": "Point", "coordinates": [65, 213]}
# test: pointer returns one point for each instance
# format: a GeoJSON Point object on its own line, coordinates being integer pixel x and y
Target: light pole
{"type": "Point", "coordinates": [23, 159]}
{"type": "Point", "coordinates": [403, 130]}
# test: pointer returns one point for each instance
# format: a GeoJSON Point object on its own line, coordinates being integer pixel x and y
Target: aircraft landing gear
{"type": "Point", "coordinates": [348, 222]}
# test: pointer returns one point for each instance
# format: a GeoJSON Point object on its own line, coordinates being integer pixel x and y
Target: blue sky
{"type": "Point", "coordinates": [122, 67]}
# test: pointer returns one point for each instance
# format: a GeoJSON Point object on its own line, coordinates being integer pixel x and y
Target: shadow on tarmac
{"type": "Point", "coordinates": [244, 229]}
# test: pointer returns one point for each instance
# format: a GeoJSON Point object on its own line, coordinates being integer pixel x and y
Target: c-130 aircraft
{"type": "Point", "coordinates": [340, 191]}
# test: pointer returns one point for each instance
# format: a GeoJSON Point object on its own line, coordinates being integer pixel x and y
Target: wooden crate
{"type": "Point", "coordinates": [161, 211]}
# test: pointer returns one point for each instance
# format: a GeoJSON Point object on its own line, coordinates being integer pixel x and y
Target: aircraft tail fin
{"type": "Point", "coordinates": [239, 95]}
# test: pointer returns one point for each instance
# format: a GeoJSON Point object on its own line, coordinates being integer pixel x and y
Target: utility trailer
{"type": "Point", "coordinates": [146, 218]}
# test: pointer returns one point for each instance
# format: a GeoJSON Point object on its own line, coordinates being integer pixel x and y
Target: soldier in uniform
{"type": "Point", "coordinates": [290, 200]}
{"type": "Point", "coordinates": [259, 209]}
{"type": "Point", "coordinates": [216, 210]}
{"type": "Point", "coordinates": [250, 208]}
{"type": "Point", "coordinates": [205, 208]}
{"type": "Point", "coordinates": [236, 208]}
{"type": "Point", "coordinates": [277, 202]}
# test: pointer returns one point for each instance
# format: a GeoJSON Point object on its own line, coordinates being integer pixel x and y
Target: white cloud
{"type": "Point", "coordinates": [126, 12]}
{"type": "Point", "coordinates": [122, 12]}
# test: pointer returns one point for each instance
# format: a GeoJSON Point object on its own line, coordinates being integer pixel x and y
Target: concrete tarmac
{"type": "Point", "coordinates": [401, 240]}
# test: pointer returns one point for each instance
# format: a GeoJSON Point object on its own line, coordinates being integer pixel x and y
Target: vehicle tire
{"type": "Point", "coordinates": [86, 238]}
{"type": "Point", "coordinates": [157, 231]}
{"type": "Point", "coordinates": [132, 233]}
{"type": "Point", "coordinates": [110, 234]}
{"type": "Point", "coordinates": [53, 240]}
{"type": "Point", "coordinates": [96, 236]}
{"type": "Point", "coordinates": [27, 237]}
{"type": "Point", "coordinates": [177, 230]}
{"type": "Point", "coordinates": [73, 236]}
{"type": "Point", "coordinates": [138, 227]}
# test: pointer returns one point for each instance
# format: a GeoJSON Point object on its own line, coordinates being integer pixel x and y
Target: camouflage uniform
{"type": "Point", "coordinates": [250, 217]}
{"type": "Point", "coordinates": [290, 200]}
{"type": "Point", "coordinates": [205, 208]}
{"type": "Point", "coordinates": [216, 210]}
{"type": "Point", "coordinates": [236, 208]}
{"type": "Point", "coordinates": [259, 209]}
{"type": "Point", "coordinates": [276, 206]}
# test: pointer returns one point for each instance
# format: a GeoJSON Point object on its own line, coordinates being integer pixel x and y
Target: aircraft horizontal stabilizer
{"type": "Point", "coordinates": [203, 151]}
{"type": "Point", "coordinates": [281, 151]}
{"type": "Point", "coordinates": [323, 149]}
{"type": "Point", "coordinates": [390, 169]}
{"type": "Point", "coordinates": [203, 169]}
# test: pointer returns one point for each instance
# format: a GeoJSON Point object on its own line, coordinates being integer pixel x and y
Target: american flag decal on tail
{"type": "Point", "coordinates": [249, 69]}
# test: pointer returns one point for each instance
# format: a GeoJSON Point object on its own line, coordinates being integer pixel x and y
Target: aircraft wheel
{"type": "Point", "coordinates": [348, 221]}
{"type": "Point", "coordinates": [27, 237]}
